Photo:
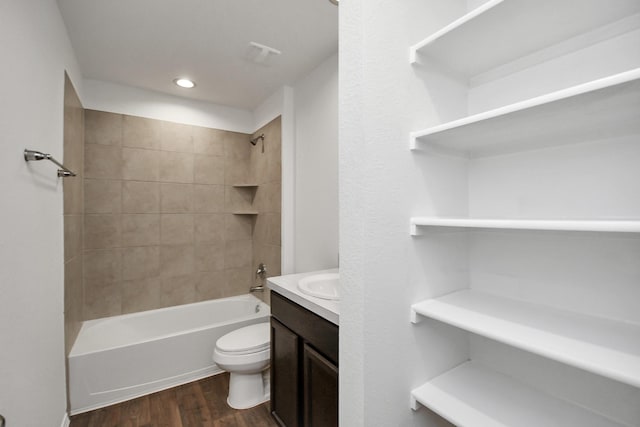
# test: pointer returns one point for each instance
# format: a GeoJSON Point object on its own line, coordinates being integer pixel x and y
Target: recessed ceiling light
{"type": "Point", "coordinates": [185, 83]}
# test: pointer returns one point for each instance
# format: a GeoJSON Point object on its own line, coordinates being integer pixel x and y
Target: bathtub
{"type": "Point", "coordinates": [123, 357]}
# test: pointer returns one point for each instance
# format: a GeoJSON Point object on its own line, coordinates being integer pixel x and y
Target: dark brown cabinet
{"type": "Point", "coordinates": [304, 366]}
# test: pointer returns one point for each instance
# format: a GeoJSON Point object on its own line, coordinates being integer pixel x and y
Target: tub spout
{"type": "Point", "coordinates": [258, 288]}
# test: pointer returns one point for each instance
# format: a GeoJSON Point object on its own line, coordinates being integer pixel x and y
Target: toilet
{"type": "Point", "coordinates": [245, 353]}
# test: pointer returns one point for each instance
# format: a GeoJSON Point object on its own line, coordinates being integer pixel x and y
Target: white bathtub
{"type": "Point", "coordinates": [122, 357]}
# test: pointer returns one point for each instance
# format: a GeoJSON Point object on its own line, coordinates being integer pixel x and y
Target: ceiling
{"type": "Point", "coordinates": [148, 43]}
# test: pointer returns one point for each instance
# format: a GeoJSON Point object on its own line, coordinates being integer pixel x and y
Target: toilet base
{"type": "Point", "coordinates": [248, 390]}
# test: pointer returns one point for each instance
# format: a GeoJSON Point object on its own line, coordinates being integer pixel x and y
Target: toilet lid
{"type": "Point", "coordinates": [249, 339]}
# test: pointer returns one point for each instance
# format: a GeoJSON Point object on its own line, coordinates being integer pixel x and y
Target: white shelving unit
{"type": "Point", "coordinates": [471, 395]}
{"type": "Point", "coordinates": [601, 108]}
{"type": "Point", "coordinates": [618, 226]}
{"type": "Point", "coordinates": [568, 154]}
{"type": "Point", "coordinates": [601, 346]}
{"type": "Point", "coordinates": [490, 35]}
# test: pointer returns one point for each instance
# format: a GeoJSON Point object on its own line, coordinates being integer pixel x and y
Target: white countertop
{"type": "Point", "coordinates": [287, 286]}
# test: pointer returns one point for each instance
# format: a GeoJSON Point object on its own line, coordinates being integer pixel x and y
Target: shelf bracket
{"type": "Point", "coordinates": [413, 141]}
{"type": "Point", "coordinates": [413, 403]}
{"type": "Point", "coordinates": [415, 230]}
{"type": "Point", "coordinates": [415, 316]}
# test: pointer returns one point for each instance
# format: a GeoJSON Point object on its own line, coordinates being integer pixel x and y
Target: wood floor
{"type": "Point", "coordinates": [197, 404]}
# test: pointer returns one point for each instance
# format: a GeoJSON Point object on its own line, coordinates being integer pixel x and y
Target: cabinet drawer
{"type": "Point", "coordinates": [319, 332]}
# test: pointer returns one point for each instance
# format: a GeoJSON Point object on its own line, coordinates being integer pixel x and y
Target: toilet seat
{"type": "Point", "coordinates": [247, 340]}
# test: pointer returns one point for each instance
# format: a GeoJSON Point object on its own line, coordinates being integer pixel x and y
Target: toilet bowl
{"type": "Point", "coordinates": [245, 353]}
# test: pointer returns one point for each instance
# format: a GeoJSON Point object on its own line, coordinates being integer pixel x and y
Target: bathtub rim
{"type": "Point", "coordinates": [88, 323]}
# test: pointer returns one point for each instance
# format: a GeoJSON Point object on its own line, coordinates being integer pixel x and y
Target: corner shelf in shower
{"type": "Point", "coordinates": [471, 395]}
{"type": "Point", "coordinates": [601, 226]}
{"type": "Point", "coordinates": [489, 36]}
{"type": "Point", "coordinates": [605, 347]}
{"type": "Point", "coordinates": [249, 185]}
{"type": "Point", "coordinates": [245, 213]}
{"type": "Point", "coordinates": [599, 109]}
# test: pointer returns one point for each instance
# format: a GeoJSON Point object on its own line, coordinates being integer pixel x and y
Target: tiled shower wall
{"type": "Point", "coordinates": [266, 172]}
{"type": "Point", "coordinates": [73, 213]}
{"type": "Point", "coordinates": [162, 223]}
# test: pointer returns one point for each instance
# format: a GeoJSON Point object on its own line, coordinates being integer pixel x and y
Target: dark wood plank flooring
{"type": "Point", "coordinates": [198, 404]}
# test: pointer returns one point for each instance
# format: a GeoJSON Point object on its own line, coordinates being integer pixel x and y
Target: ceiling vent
{"type": "Point", "coordinates": [260, 54]}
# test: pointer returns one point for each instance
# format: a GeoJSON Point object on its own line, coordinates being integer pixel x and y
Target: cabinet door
{"type": "Point", "coordinates": [285, 377]}
{"type": "Point", "coordinates": [320, 382]}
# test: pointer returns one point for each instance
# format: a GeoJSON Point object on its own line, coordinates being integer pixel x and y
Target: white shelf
{"type": "Point", "coordinates": [245, 213]}
{"type": "Point", "coordinates": [245, 185]}
{"type": "Point", "coordinates": [601, 346]}
{"type": "Point", "coordinates": [603, 108]}
{"type": "Point", "coordinates": [611, 226]}
{"type": "Point", "coordinates": [471, 395]}
{"type": "Point", "coordinates": [501, 31]}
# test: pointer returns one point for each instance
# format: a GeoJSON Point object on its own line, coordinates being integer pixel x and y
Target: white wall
{"type": "Point", "coordinates": [381, 355]}
{"type": "Point", "coordinates": [35, 51]}
{"type": "Point", "coordinates": [316, 196]}
{"type": "Point", "coordinates": [116, 98]}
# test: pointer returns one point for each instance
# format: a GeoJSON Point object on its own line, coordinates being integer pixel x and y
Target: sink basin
{"type": "Point", "coordinates": [323, 286]}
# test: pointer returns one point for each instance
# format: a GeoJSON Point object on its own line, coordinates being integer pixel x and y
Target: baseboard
{"type": "Point", "coordinates": [65, 420]}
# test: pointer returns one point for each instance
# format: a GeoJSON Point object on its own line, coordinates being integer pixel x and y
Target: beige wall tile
{"type": "Point", "coordinates": [177, 137]}
{"type": "Point", "coordinates": [141, 295]}
{"type": "Point", "coordinates": [102, 196]}
{"type": "Point", "coordinates": [102, 161]}
{"type": "Point", "coordinates": [103, 128]}
{"type": "Point", "coordinates": [272, 230]}
{"type": "Point", "coordinates": [140, 197]}
{"type": "Point", "coordinates": [73, 287]}
{"type": "Point", "coordinates": [208, 198]}
{"type": "Point", "coordinates": [140, 132]}
{"type": "Point", "coordinates": [73, 198]}
{"type": "Point", "coordinates": [140, 165]}
{"type": "Point", "coordinates": [239, 227]}
{"type": "Point", "coordinates": [102, 301]}
{"type": "Point", "coordinates": [140, 230]}
{"type": "Point", "coordinates": [239, 280]}
{"type": "Point", "coordinates": [209, 228]}
{"type": "Point", "coordinates": [72, 236]}
{"type": "Point", "coordinates": [102, 231]}
{"type": "Point", "coordinates": [209, 169]}
{"type": "Point", "coordinates": [239, 199]}
{"type": "Point", "coordinates": [268, 198]}
{"type": "Point", "coordinates": [102, 266]}
{"type": "Point", "coordinates": [270, 255]}
{"type": "Point", "coordinates": [208, 141]}
{"type": "Point", "coordinates": [237, 155]}
{"type": "Point", "coordinates": [178, 290]}
{"type": "Point", "coordinates": [260, 230]}
{"type": "Point", "coordinates": [176, 167]}
{"type": "Point", "coordinates": [140, 262]}
{"type": "Point", "coordinates": [176, 229]}
{"type": "Point", "coordinates": [238, 253]}
{"type": "Point", "coordinates": [209, 256]}
{"type": "Point", "coordinates": [211, 285]}
{"type": "Point", "coordinates": [176, 198]}
{"type": "Point", "coordinates": [177, 260]}
{"type": "Point", "coordinates": [178, 243]}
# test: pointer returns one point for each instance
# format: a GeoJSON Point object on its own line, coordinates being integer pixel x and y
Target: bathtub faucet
{"type": "Point", "coordinates": [257, 288]}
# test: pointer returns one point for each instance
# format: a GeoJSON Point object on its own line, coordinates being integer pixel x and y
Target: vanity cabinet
{"type": "Point", "coordinates": [304, 366]}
